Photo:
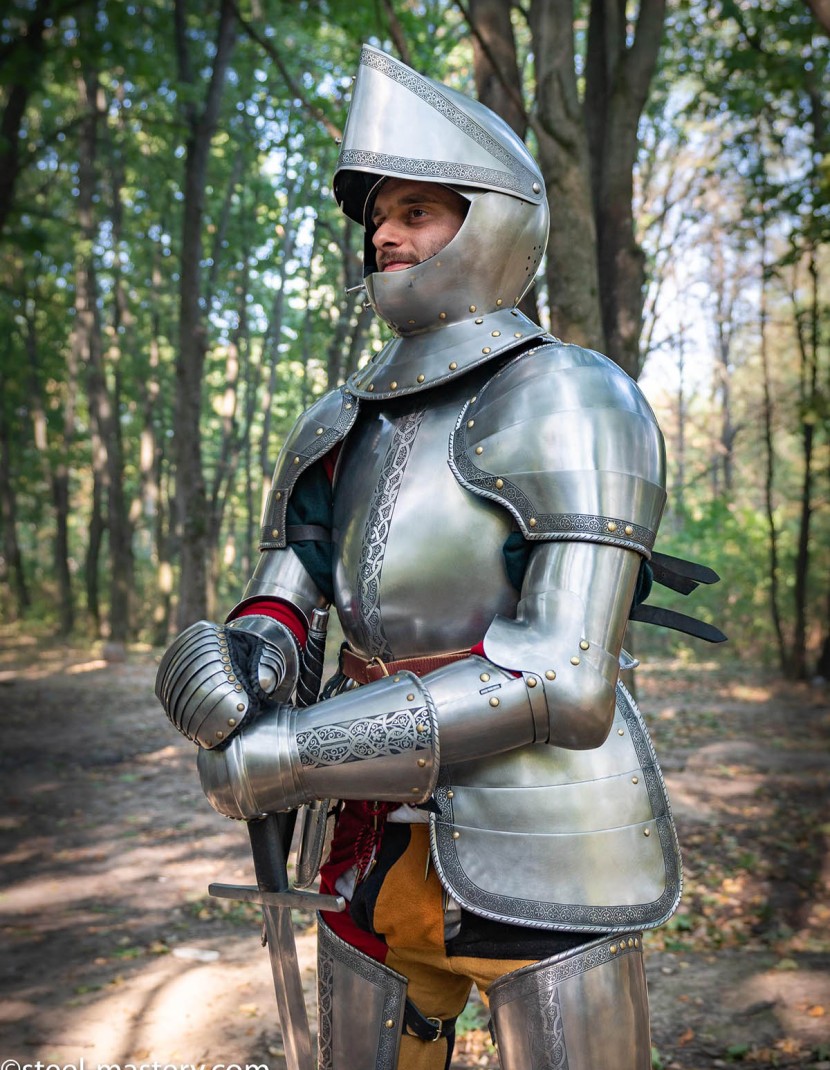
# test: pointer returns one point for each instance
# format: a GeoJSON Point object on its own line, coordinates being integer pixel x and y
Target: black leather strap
{"type": "Point", "coordinates": [417, 1025]}
{"type": "Point", "coordinates": [680, 622]}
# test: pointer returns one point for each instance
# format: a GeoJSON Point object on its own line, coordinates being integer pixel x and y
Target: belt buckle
{"type": "Point", "coordinates": [439, 1026]}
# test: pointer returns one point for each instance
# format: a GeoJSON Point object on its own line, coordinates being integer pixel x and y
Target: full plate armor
{"type": "Point", "coordinates": [494, 495]}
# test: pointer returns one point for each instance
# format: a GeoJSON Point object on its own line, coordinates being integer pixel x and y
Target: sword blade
{"type": "Point", "coordinates": [288, 988]}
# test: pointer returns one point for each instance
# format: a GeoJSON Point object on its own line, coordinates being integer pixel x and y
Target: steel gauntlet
{"type": "Point", "coordinates": [214, 676]}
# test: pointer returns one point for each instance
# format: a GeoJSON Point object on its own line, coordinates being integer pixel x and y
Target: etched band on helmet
{"type": "Point", "coordinates": [404, 125]}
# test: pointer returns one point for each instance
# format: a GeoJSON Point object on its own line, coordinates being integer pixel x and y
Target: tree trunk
{"type": "Point", "coordinates": [191, 495]}
{"type": "Point", "coordinates": [89, 345]}
{"type": "Point", "coordinates": [8, 514]}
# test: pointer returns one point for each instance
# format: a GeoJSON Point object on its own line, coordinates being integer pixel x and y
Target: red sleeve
{"type": "Point", "coordinates": [278, 610]}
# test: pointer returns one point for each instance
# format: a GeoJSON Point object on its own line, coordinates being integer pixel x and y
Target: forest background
{"type": "Point", "coordinates": [176, 281]}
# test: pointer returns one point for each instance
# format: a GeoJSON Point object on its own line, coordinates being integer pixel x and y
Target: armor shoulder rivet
{"type": "Point", "coordinates": [240, 706]}
{"type": "Point", "coordinates": [296, 460]}
{"type": "Point", "coordinates": [220, 734]}
{"type": "Point", "coordinates": [421, 378]}
{"type": "Point", "coordinates": [319, 431]}
{"type": "Point", "coordinates": [414, 791]}
{"type": "Point", "coordinates": [485, 677]}
{"type": "Point", "coordinates": [517, 334]}
{"type": "Point", "coordinates": [486, 349]}
{"type": "Point", "coordinates": [275, 532]}
{"type": "Point", "coordinates": [349, 405]}
{"type": "Point", "coordinates": [393, 385]}
{"type": "Point", "coordinates": [532, 681]}
{"type": "Point", "coordinates": [631, 941]}
{"type": "Point", "coordinates": [456, 835]}
{"type": "Point", "coordinates": [480, 320]}
{"type": "Point", "coordinates": [499, 301]}
{"type": "Point", "coordinates": [635, 780]}
{"type": "Point", "coordinates": [584, 645]}
{"type": "Point", "coordinates": [450, 794]}
{"type": "Point", "coordinates": [532, 522]}
{"type": "Point", "coordinates": [629, 530]}
{"type": "Point", "coordinates": [471, 423]}
{"type": "Point", "coordinates": [494, 701]}
{"type": "Point", "coordinates": [410, 698]}
{"type": "Point", "coordinates": [411, 323]}
{"type": "Point", "coordinates": [231, 722]}
{"type": "Point", "coordinates": [479, 450]}
{"type": "Point", "coordinates": [442, 315]}
{"type": "Point", "coordinates": [371, 387]}
{"type": "Point", "coordinates": [612, 525]}
{"type": "Point", "coordinates": [550, 675]}
{"type": "Point", "coordinates": [620, 731]}
{"type": "Point", "coordinates": [389, 1023]}
{"type": "Point", "coordinates": [574, 660]}
{"type": "Point", "coordinates": [278, 495]}
{"type": "Point", "coordinates": [499, 484]}
{"type": "Point", "coordinates": [422, 762]}
{"type": "Point", "coordinates": [495, 334]}
{"type": "Point", "coordinates": [613, 949]}
{"type": "Point", "coordinates": [536, 187]}
{"type": "Point", "coordinates": [646, 832]}
{"type": "Point", "coordinates": [453, 365]}
{"type": "Point", "coordinates": [421, 728]}
{"type": "Point", "coordinates": [472, 308]}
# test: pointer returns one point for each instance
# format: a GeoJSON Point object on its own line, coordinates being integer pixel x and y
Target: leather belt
{"type": "Point", "coordinates": [367, 670]}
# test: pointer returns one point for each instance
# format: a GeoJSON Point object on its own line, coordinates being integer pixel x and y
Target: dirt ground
{"type": "Point", "coordinates": [113, 952]}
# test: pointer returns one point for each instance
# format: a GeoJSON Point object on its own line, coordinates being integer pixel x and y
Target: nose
{"type": "Point", "coordinates": [386, 235]}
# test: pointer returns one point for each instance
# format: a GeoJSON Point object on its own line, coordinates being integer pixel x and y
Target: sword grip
{"type": "Point", "coordinates": [270, 844]}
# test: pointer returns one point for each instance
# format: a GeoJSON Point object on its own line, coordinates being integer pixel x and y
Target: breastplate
{"type": "Point", "coordinates": [418, 559]}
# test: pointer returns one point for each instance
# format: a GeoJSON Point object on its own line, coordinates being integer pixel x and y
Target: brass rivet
{"type": "Point", "coordinates": [220, 734]}
{"type": "Point", "coordinates": [410, 698]}
{"type": "Point", "coordinates": [240, 707]}
{"type": "Point", "coordinates": [485, 677]}
{"type": "Point", "coordinates": [414, 791]}
{"type": "Point", "coordinates": [486, 349]}
{"type": "Point", "coordinates": [631, 941]}
{"type": "Point", "coordinates": [349, 405]}
{"type": "Point", "coordinates": [421, 728]}
{"type": "Point", "coordinates": [629, 530]}
{"type": "Point", "coordinates": [422, 762]}
{"type": "Point", "coordinates": [517, 334]}
{"type": "Point", "coordinates": [450, 794]}
{"type": "Point", "coordinates": [636, 942]}
{"type": "Point", "coordinates": [499, 301]}
{"type": "Point", "coordinates": [319, 431]}
{"type": "Point", "coordinates": [613, 949]}
{"type": "Point", "coordinates": [442, 315]}
{"type": "Point", "coordinates": [238, 687]}
{"type": "Point", "coordinates": [389, 1023]}
{"type": "Point", "coordinates": [550, 675]}
{"type": "Point", "coordinates": [479, 450]}
{"type": "Point", "coordinates": [499, 484]}
{"type": "Point", "coordinates": [584, 644]}
{"type": "Point", "coordinates": [279, 492]}
{"type": "Point", "coordinates": [421, 378]}
{"type": "Point", "coordinates": [472, 308]}
{"type": "Point", "coordinates": [495, 334]}
{"type": "Point", "coordinates": [574, 660]}
{"type": "Point", "coordinates": [646, 832]}
{"type": "Point", "coordinates": [231, 722]}
{"type": "Point", "coordinates": [275, 532]}
{"type": "Point", "coordinates": [474, 399]}
{"type": "Point", "coordinates": [410, 322]}
{"type": "Point", "coordinates": [635, 780]}
{"type": "Point", "coordinates": [396, 679]}
{"type": "Point", "coordinates": [371, 387]}
{"type": "Point", "coordinates": [471, 423]}
{"type": "Point", "coordinates": [296, 460]}
{"type": "Point", "coordinates": [494, 701]}
{"type": "Point", "coordinates": [456, 835]}
{"type": "Point", "coordinates": [453, 365]}
{"type": "Point", "coordinates": [612, 525]}
{"type": "Point", "coordinates": [393, 385]}
{"type": "Point", "coordinates": [231, 678]}
{"type": "Point", "coordinates": [532, 522]}
{"type": "Point", "coordinates": [620, 731]}
{"type": "Point", "coordinates": [480, 320]}
{"type": "Point", "coordinates": [532, 681]}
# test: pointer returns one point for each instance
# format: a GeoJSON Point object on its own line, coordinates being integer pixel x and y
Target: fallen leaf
{"type": "Point", "coordinates": [687, 1035]}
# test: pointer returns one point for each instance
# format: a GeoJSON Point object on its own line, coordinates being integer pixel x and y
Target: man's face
{"type": "Point", "coordinates": [413, 221]}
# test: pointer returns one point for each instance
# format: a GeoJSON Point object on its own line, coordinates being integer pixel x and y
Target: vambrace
{"type": "Point", "coordinates": [214, 676]}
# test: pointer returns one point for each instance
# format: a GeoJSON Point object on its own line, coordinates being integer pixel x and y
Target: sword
{"type": "Point", "coordinates": [270, 844]}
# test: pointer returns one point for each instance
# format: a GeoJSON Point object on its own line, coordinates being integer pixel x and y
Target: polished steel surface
{"type": "Point", "coordinates": [410, 543]}
{"type": "Point", "coordinates": [360, 1007]}
{"type": "Point", "coordinates": [596, 823]}
{"type": "Point", "coordinates": [417, 362]}
{"type": "Point", "coordinates": [583, 1010]}
{"type": "Point", "coordinates": [281, 574]}
{"type": "Point", "coordinates": [567, 442]}
{"type": "Point", "coordinates": [380, 742]}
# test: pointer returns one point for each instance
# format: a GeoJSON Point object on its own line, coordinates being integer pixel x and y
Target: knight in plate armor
{"type": "Point", "coordinates": [476, 503]}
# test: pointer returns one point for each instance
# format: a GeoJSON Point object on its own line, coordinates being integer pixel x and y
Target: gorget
{"type": "Point", "coordinates": [416, 362]}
